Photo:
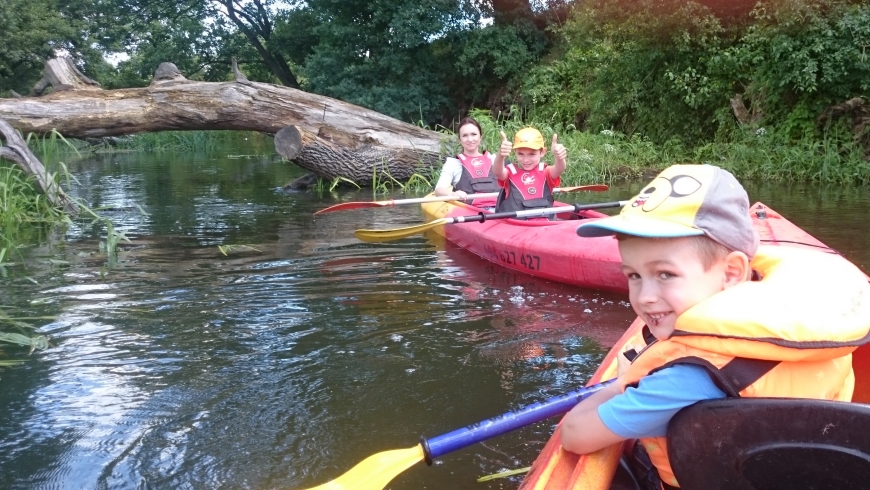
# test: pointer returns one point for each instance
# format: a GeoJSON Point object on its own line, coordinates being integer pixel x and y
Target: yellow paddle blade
{"type": "Point", "coordinates": [376, 471]}
{"type": "Point", "coordinates": [375, 236]}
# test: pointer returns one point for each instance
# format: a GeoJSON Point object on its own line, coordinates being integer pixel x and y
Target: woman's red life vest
{"type": "Point", "coordinates": [477, 176]}
{"type": "Point", "coordinates": [525, 189]}
{"type": "Point", "coordinates": [791, 334]}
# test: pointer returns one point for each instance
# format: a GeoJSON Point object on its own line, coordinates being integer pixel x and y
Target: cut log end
{"type": "Point", "coordinates": [288, 142]}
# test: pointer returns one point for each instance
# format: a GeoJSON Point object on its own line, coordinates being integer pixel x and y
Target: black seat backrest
{"type": "Point", "coordinates": [771, 444]}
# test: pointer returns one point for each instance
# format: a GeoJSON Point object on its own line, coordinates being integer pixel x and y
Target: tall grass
{"type": "Point", "coordinates": [53, 144]}
{"type": "Point", "coordinates": [24, 210]}
{"type": "Point", "coordinates": [192, 141]}
{"type": "Point", "coordinates": [608, 155]}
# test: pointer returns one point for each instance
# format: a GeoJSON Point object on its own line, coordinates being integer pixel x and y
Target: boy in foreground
{"type": "Point", "coordinates": [689, 252]}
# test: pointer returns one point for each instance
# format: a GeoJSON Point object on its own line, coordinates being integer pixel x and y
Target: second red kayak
{"type": "Point", "coordinates": [552, 250]}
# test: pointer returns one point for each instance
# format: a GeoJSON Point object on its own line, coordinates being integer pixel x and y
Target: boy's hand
{"type": "Point", "coordinates": [506, 146]}
{"type": "Point", "coordinates": [558, 149]}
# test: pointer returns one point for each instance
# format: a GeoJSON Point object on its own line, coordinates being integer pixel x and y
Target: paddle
{"type": "Point", "coordinates": [398, 233]}
{"type": "Point", "coordinates": [420, 200]}
{"type": "Point", "coordinates": [376, 471]}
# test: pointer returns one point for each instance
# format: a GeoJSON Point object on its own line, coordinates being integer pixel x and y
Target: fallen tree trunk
{"type": "Point", "coordinates": [17, 151]}
{"type": "Point", "coordinates": [349, 141]}
{"type": "Point", "coordinates": [331, 161]}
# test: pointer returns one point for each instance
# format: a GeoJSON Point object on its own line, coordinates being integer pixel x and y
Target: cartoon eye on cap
{"type": "Point", "coordinates": [662, 188]}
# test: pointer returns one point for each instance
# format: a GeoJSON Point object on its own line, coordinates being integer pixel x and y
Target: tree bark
{"type": "Point", "coordinates": [348, 141]}
{"type": "Point", "coordinates": [858, 109]}
{"type": "Point", "coordinates": [331, 161]}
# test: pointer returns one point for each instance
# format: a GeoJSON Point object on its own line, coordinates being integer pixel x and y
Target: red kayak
{"type": "Point", "coordinates": [552, 250]}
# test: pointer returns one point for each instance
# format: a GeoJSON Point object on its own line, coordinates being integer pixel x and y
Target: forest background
{"type": "Point", "coordinates": [757, 85]}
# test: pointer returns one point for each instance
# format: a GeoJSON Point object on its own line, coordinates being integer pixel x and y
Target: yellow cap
{"type": "Point", "coordinates": [529, 138]}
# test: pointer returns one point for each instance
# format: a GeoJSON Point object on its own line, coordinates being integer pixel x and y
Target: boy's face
{"type": "Point", "coordinates": [528, 158]}
{"type": "Point", "coordinates": [665, 278]}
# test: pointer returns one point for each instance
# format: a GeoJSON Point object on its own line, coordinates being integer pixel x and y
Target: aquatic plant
{"type": "Point", "coordinates": [113, 238]}
{"type": "Point", "coordinates": [23, 334]}
{"type": "Point", "coordinates": [226, 249]}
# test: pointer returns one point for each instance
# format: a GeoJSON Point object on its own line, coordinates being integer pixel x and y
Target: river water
{"type": "Point", "coordinates": [302, 350]}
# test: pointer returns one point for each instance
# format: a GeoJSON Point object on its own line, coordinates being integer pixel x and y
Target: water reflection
{"type": "Point", "coordinates": [285, 362]}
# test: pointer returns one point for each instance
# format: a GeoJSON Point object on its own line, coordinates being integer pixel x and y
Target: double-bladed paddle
{"type": "Point", "coordinates": [398, 233]}
{"type": "Point", "coordinates": [420, 200]}
{"type": "Point", "coordinates": [376, 471]}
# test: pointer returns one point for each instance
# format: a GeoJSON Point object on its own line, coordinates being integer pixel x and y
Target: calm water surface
{"type": "Point", "coordinates": [300, 352]}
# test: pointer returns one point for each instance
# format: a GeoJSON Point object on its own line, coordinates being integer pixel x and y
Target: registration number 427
{"type": "Point", "coordinates": [531, 262]}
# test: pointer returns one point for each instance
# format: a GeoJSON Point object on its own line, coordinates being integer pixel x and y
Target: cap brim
{"type": "Point", "coordinates": [636, 226]}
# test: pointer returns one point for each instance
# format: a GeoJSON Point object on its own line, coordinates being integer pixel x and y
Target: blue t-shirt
{"type": "Point", "coordinates": [645, 411]}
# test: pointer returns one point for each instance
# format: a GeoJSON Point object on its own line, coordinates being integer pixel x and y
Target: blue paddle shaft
{"type": "Point", "coordinates": [481, 431]}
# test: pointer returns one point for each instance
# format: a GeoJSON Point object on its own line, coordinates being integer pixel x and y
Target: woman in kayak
{"type": "Point", "coordinates": [471, 171]}
{"type": "Point", "coordinates": [529, 183]}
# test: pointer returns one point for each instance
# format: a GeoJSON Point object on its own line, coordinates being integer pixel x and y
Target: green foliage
{"type": "Point", "coordinates": [25, 213]}
{"type": "Point", "coordinates": [30, 32]}
{"type": "Point", "coordinates": [668, 69]}
{"type": "Point", "coordinates": [22, 335]}
{"type": "Point", "coordinates": [378, 54]}
{"type": "Point", "coordinates": [633, 67]}
{"type": "Point", "coordinates": [113, 238]}
{"type": "Point", "coordinates": [801, 57]}
{"type": "Point", "coordinates": [418, 61]}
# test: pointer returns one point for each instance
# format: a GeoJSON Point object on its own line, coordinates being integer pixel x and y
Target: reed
{"type": "Point", "coordinates": [52, 145]}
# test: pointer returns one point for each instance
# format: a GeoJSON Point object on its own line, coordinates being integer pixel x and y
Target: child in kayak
{"type": "Point", "coordinates": [724, 317]}
{"type": "Point", "coordinates": [471, 171]}
{"type": "Point", "coordinates": [529, 183]}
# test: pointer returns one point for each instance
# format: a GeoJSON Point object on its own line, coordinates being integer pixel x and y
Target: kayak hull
{"type": "Point", "coordinates": [547, 249]}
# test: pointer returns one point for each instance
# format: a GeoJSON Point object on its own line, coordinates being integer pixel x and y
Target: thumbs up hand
{"type": "Point", "coordinates": [506, 146]}
{"type": "Point", "coordinates": [558, 149]}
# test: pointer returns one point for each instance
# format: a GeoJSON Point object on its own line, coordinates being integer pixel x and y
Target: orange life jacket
{"type": "Point", "coordinates": [791, 334]}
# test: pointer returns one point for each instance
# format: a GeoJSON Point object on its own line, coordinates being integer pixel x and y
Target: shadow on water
{"type": "Point", "coordinates": [283, 364]}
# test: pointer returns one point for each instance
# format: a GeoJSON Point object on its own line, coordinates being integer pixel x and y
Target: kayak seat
{"type": "Point", "coordinates": [771, 444]}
